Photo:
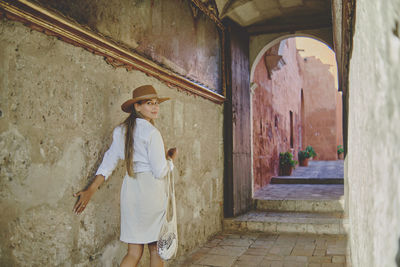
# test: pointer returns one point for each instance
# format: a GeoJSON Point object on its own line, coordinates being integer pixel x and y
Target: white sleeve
{"type": "Point", "coordinates": [156, 152]}
{"type": "Point", "coordinates": [113, 154]}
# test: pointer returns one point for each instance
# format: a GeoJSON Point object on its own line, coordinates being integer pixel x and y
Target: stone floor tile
{"type": "Point", "coordinates": [236, 242]}
{"type": "Point", "coordinates": [336, 251]}
{"type": "Point", "coordinates": [320, 259]}
{"type": "Point", "coordinates": [295, 258]}
{"type": "Point", "coordinates": [333, 265]}
{"type": "Point", "coordinates": [249, 260]}
{"type": "Point", "coordinates": [262, 244]}
{"type": "Point", "coordinates": [228, 250]}
{"type": "Point", "coordinates": [319, 252]}
{"type": "Point", "coordinates": [257, 251]}
{"type": "Point", "coordinates": [302, 252]}
{"type": "Point", "coordinates": [314, 265]}
{"type": "Point", "coordinates": [283, 251]}
{"type": "Point", "coordinates": [269, 263]}
{"type": "Point", "coordinates": [216, 260]}
{"type": "Point", "coordinates": [273, 257]}
{"type": "Point", "coordinates": [294, 264]}
{"type": "Point", "coordinates": [338, 259]}
{"type": "Point", "coordinates": [195, 255]}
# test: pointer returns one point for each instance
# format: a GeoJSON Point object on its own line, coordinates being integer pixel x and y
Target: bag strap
{"type": "Point", "coordinates": [171, 195]}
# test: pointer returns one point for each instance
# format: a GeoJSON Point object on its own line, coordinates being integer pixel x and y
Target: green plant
{"type": "Point", "coordinates": [286, 160]}
{"type": "Point", "coordinates": [303, 154]}
{"type": "Point", "coordinates": [311, 151]}
{"type": "Point", "coordinates": [340, 149]}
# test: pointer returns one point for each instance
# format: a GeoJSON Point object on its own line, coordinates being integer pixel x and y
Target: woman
{"type": "Point", "coordinates": [143, 192]}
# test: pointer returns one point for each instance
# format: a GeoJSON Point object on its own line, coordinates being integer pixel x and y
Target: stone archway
{"type": "Point", "coordinates": [266, 132]}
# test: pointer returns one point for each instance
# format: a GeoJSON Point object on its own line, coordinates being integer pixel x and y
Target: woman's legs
{"type": "Point", "coordinates": [133, 255]}
{"type": "Point", "coordinates": [155, 260]}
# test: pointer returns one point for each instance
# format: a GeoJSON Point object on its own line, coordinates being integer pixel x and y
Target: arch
{"type": "Point", "coordinates": [274, 42]}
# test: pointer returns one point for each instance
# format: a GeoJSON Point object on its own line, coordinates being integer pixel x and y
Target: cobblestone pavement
{"type": "Point", "coordinates": [270, 250]}
{"type": "Point", "coordinates": [320, 169]}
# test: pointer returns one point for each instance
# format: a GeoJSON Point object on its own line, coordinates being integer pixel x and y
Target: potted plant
{"type": "Point", "coordinates": [286, 164]}
{"type": "Point", "coordinates": [311, 152]}
{"type": "Point", "coordinates": [303, 157]}
{"type": "Point", "coordinates": [340, 151]}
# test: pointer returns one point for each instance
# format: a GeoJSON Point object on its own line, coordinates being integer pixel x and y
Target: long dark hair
{"type": "Point", "coordinates": [130, 124]}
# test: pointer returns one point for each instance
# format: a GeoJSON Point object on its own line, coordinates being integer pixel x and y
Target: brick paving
{"type": "Point", "coordinates": [269, 250]}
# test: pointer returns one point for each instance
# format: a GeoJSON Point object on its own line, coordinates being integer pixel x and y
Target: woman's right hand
{"type": "Point", "coordinates": [172, 153]}
{"type": "Point", "coordinates": [83, 199]}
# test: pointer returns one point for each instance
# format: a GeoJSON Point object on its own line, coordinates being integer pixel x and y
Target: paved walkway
{"type": "Point", "coordinates": [300, 192]}
{"type": "Point", "coordinates": [320, 169]}
{"type": "Point", "coordinates": [316, 170]}
{"type": "Point", "coordinates": [269, 250]}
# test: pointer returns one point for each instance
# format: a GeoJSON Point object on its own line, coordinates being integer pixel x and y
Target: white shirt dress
{"type": "Point", "coordinates": [143, 197]}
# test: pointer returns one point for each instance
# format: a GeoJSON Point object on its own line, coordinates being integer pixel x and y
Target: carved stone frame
{"type": "Point", "coordinates": [54, 24]}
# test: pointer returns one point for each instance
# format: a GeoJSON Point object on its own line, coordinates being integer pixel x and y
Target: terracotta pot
{"type": "Point", "coordinates": [285, 171]}
{"type": "Point", "coordinates": [304, 162]}
{"type": "Point", "coordinates": [341, 156]}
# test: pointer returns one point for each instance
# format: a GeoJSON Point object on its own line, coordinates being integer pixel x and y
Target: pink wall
{"type": "Point", "coordinates": [274, 98]}
{"type": "Point", "coordinates": [322, 125]}
{"type": "Point", "coordinates": [271, 102]}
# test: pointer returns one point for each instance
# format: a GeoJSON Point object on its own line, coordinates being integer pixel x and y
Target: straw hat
{"type": "Point", "coordinates": [143, 92]}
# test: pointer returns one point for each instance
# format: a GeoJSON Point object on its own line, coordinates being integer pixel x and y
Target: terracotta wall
{"type": "Point", "coordinates": [272, 101]}
{"type": "Point", "coordinates": [322, 125]}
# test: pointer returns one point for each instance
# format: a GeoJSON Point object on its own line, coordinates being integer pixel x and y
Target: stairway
{"type": "Point", "coordinates": [290, 216]}
{"type": "Point", "coordinates": [309, 202]}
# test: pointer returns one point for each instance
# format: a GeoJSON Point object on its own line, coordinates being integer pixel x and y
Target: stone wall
{"type": "Point", "coordinates": [373, 135]}
{"type": "Point", "coordinates": [172, 32]}
{"type": "Point", "coordinates": [59, 104]}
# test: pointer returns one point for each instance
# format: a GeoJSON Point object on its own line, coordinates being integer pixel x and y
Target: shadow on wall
{"type": "Point", "coordinates": [398, 256]}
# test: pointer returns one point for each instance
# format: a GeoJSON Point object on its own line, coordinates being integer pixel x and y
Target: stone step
{"type": "Point", "coordinates": [286, 222]}
{"type": "Point", "coordinates": [305, 180]}
{"type": "Point", "coordinates": [299, 205]}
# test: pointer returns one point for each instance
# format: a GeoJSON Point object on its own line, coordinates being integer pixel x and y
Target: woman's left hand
{"type": "Point", "coordinates": [84, 198]}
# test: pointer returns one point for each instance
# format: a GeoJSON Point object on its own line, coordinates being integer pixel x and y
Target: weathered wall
{"type": "Point", "coordinates": [321, 125]}
{"type": "Point", "coordinates": [373, 135]}
{"type": "Point", "coordinates": [59, 104]}
{"type": "Point", "coordinates": [271, 102]}
{"type": "Point", "coordinates": [169, 32]}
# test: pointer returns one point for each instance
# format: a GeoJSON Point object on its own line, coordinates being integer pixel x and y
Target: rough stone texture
{"type": "Point", "coordinates": [322, 113]}
{"type": "Point", "coordinates": [168, 32]}
{"type": "Point", "coordinates": [373, 135]}
{"type": "Point", "coordinates": [59, 104]}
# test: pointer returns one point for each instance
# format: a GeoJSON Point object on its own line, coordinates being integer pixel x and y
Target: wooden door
{"type": "Point", "coordinates": [237, 180]}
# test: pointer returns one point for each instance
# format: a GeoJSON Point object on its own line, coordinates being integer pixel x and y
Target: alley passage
{"type": "Point", "coordinates": [296, 221]}
{"type": "Point", "coordinates": [275, 250]}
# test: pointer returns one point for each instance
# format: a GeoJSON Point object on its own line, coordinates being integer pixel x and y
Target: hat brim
{"type": "Point", "coordinates": [128, 105]}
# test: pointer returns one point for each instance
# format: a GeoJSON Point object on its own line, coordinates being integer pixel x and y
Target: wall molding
{"type": "Point", "coordinates": [54, 24]}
